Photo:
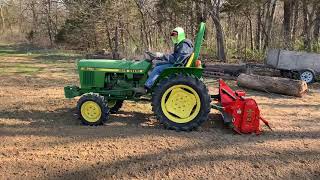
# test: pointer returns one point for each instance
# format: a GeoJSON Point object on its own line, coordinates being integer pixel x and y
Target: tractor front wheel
{"type": "Point", "coordinates": [92, 109]}
{"type": "Point", "coordinates": [181, 102]}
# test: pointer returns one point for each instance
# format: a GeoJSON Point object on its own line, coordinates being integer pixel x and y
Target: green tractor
{"type": "Point", "coordinates": [180, 100]}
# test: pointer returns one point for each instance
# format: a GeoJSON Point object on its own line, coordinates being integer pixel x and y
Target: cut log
{"type": "Point", "coordinates": [218, 75]}
{"type": "Point", "coordinates": [231, 69]}
{"type": "Point", "coordinates": [273, 84]}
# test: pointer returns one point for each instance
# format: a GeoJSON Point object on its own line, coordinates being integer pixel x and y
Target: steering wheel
{"type": "Point", "coordinates": [152, 56]}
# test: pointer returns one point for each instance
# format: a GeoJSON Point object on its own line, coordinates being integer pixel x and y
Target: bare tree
{"type": "Point", "coordinates": [3, 5]}
{"type": "Point", "coordinates": [288, 8]}
{"type": "Point", "coordinates": [316, 30]}
{"type": "Point", "coordinates": [268, 24]}
{"type": "Point", "coordinates": [3, 25]}
{"type": "Point", "coordinates": [215, 15]}
{"type": "Point", "coordinates": [310, 15]}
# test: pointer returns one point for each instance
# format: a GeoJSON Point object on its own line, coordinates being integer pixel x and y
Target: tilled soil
{"type": "Point", "coordinates": [41, 138]}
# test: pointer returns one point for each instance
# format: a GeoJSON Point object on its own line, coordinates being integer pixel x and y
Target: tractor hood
{"type": "Point", "coordinates": [120, 66]}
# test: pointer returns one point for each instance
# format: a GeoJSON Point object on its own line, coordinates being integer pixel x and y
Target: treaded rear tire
{"type": "Point", "coordinates": [194, 83]}
{"type": "Point", "coordinates": [102, 104]}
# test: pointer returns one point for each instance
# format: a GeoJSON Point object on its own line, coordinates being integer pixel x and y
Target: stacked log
{"type": "Point", "coordinates": [231, 69]}
{"type": "Point", "coordinates": [225, 71]}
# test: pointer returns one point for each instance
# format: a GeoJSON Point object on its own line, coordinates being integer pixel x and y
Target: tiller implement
{"type": "Point", "coordinates": [240, 113]}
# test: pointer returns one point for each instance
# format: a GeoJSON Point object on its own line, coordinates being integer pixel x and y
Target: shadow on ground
{"type": "Point", "coordinates": [67, 119]}
{"type": "Point", "coordinates": [168, 160]}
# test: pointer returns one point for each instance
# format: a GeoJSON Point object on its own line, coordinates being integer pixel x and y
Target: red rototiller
{"type": "Point", "coordinates": [242, 114]}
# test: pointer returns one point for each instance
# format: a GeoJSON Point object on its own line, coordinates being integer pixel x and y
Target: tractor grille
{"type": "Point", "coordinates": [88, 78]}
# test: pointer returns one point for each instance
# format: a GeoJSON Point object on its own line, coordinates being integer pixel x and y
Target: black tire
{"type": "Point", "coordinates": [99, 100]}
{"type": "Point", "coordinates": [307, 76]}
{"type": "Point", "coordinates": [197, 85]}
{"type": "Point", "coordinates": [117, 106]}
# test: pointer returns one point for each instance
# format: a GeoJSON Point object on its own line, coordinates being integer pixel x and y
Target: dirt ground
{"type": "Point", "coordinates": [40, 138]}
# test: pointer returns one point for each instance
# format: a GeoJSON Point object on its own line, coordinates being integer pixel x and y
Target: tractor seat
{"type": "Point", "coordinates": [190, 60]}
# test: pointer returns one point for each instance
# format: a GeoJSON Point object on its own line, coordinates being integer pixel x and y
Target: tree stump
{"type": "Point", "coordinates": [273, 84]}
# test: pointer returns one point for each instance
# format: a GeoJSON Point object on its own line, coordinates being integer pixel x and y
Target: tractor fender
{"type": "Point", "coordinates": [197, 72]}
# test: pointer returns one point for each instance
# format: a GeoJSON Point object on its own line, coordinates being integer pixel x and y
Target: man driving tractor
{"type": "Point", "coordinates": [183, 49]}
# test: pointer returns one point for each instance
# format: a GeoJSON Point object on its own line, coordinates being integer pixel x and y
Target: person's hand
{"type": "Point", "coordinates": [150, 56]}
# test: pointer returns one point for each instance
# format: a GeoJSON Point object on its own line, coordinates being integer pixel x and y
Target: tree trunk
{"type": "Point", "coordinates": [273, 84]}
{"type": "Point", "coordinates": [245, 41]}
{"type": "Point", "coordinates": [269, 22]}
{"type": "Point", "coordinates": [142, 46]}
{"type": "Point", "coordinates": [295, 22]}
{"type": "Point", "coordinates": [144, 29]}
{"type": "Point", "coordinates": [306, 26]}
{"type": "Point", "coordinates": [220, 40]}
{"type": "Point", "coordinates": [258, 31]}
{"type": "Point", "coordinates": [3, 25]}
{"type": "Point", "coordinates": [204, 9]}
{"type": "Point", "coordinates": [109, 36]}
{"type": "Point", "coordinates": [316, 30]}
{"type": "Point", "coordinates": [251, 34]}
{"type": "Point", "coordinates": [47, 6]}
{"type": "Point", "coordinates": [34, 28]}
{"type": "Point", "coordinates": [287, 13]}
{"type": "Point", "coordinates": [115, 52]}
{"type": "Point", "coordinates": [238, 36]}
{"type": "Point", "coordinates": [215, 15]}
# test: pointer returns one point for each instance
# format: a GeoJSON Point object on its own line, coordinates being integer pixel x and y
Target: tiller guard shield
{"type": "Point", "coordinates": [241, 113]}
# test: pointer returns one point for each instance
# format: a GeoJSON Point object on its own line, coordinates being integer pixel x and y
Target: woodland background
{"type": "Point", "coordinates": [236, 29]}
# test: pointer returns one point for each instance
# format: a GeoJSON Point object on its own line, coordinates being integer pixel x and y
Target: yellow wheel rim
{"type": "Point", "coordinates": [112, 103]}
{"type": "Point", "coordinates": [91, 111]}
{"type": "Point", "coordinates": [180, 104]}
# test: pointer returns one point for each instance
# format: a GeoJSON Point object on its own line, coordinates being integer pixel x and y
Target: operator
{"type": "Point", "coordinates": [183, 49]}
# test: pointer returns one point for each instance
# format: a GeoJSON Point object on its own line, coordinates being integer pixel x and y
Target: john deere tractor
{"type": "Point", "coordinates": [180, 99]}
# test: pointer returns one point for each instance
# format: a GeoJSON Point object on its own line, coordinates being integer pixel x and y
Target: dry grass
{"type": "Point", "coordinates": [41, 138]}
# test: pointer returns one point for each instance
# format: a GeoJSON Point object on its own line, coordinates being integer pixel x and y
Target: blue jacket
{"type": "Point", "coordinates": [181, 54]}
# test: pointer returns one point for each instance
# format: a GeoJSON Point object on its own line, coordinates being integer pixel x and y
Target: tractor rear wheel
{"type": "Point", "coordinates": [115, 105]}
{"type": "Point", "coordinates": [92, 109]}
{"type": "Point", "coordinates": [181, 102]}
